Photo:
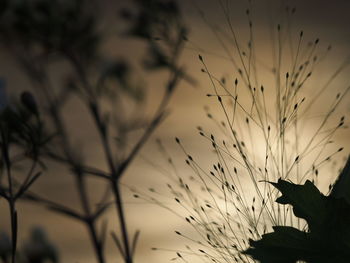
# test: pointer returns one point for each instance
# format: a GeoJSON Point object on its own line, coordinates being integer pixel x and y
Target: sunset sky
{"type": "Point", "coordinates": [327, 20]}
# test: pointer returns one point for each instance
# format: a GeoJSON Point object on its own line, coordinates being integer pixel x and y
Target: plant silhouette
{"type": "Point", "coordinates": [327, 238]}
{"type": "Point", "coordinates": [263, 133]}
{"type": "Point", "coordinates": [34, 132]}
{"type": "Point", "coordinates": [41, 32]}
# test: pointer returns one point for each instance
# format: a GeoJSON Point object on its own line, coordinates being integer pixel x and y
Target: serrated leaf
{"type": "Point", "coordinates": [341, 188]}
{"type": "Point", "coordinates": [307, 201]}
{"type": "Point", "coordinates": [276, 245]}
{"type": "Point", "coordinates": [328, 217]}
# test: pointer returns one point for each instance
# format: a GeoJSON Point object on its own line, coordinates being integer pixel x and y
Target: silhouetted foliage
{"type": "Point", "coordinates": [327, 238]}
{"type": "Point", "coordinates": [38, 248]}
{"type": "Point", "coordinates": [39, 32]}
{"type": "Point", "coordinates": [22, 138]}
{"type": "Point", "coordinates": [48, 27]}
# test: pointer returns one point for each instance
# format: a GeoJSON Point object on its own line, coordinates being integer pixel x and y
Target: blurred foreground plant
{"type": "Point", "coordinates": [37, 249]}
{"type": "Point", "coordinates": [22, 137]}
{"type": "Point", "coordinates": [40, 33]}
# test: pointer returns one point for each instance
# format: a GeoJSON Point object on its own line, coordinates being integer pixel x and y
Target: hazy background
{"type": "Point", "coordinates": [328, 20]}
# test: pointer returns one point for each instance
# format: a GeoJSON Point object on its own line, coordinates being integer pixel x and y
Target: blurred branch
{"type": "Point", "coordinates": [35, 33]}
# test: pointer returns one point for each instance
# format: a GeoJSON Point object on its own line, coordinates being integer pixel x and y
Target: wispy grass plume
{"type": "Point", "coordinates": [267, 129]}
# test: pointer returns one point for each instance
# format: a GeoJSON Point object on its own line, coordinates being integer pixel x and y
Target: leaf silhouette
{"type": "Point", "coordinates": [328, 217]}
{"type": "Point", "coordinates": [341, 188]}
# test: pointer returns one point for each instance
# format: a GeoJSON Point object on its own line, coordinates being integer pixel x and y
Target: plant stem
{"type": "Point", "coordinates": [114, 181]}
{"type": "Point", "coordinates": [90, 221]}
{"type": "Point", "coordinates": [122, 221]}
{"type": "Point", "coordinates": [94, 109]}
{"type": "Point", "coordinates": [13, 229]}
{"type": "Point", "coordinates": [96, 242]}
{"type": "Point", "coordinates": [11, 200]}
